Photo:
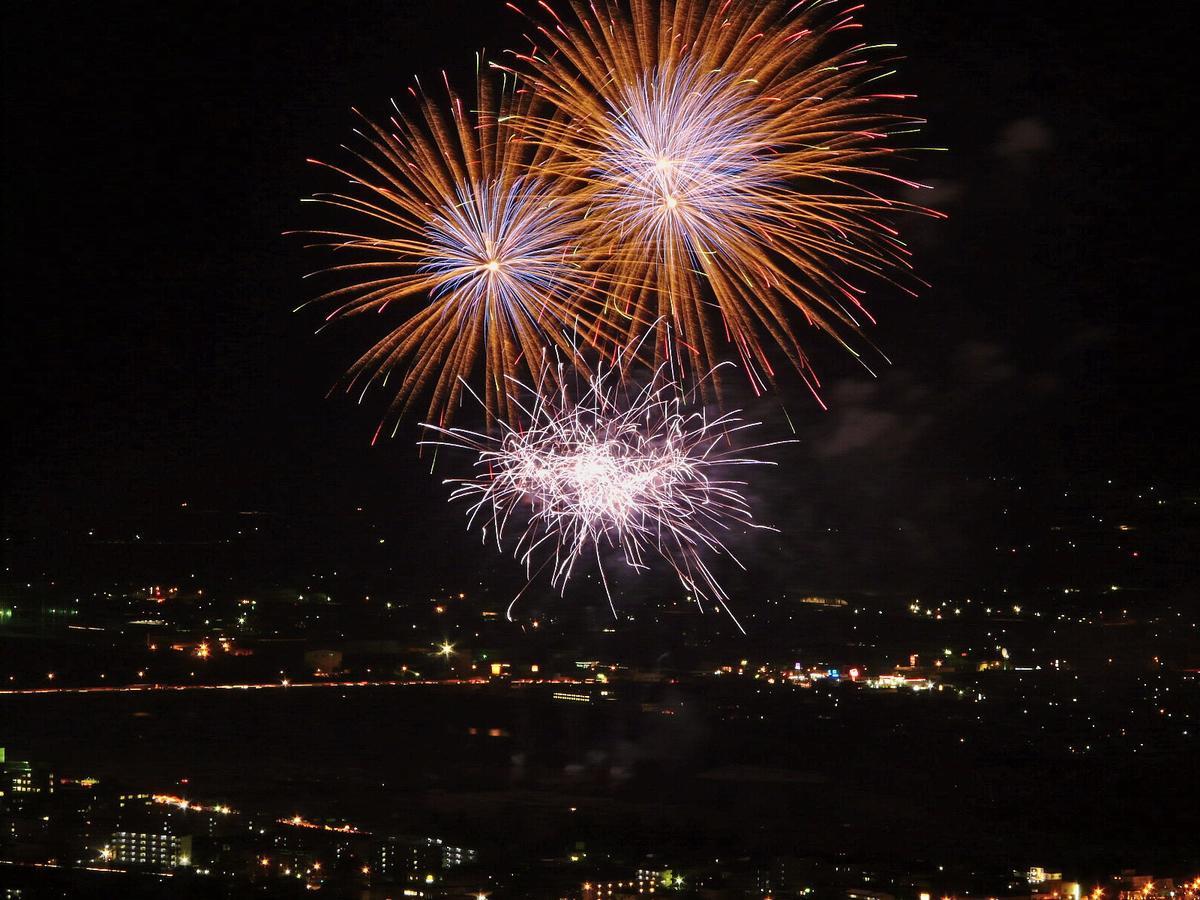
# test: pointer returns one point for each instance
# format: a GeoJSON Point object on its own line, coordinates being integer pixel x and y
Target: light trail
{"type": "Point", "coordinates": [100, 869]}
{"type": "Point", "coordinates": [265, 686]}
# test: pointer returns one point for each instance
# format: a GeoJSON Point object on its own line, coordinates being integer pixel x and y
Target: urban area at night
{"type": "Point", "coordinates": [338, 734]}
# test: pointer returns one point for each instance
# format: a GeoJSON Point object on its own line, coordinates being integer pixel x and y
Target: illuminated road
{"type": "Point", "coordinates": [106, 870]}
{"type": "Point", "coordinates": [277, 685]}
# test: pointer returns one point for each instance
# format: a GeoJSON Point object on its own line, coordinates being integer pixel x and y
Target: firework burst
{"type": "Point", "coordinates": [470, 243]}
{"type": "Point", "coordinates": [613, 469]}
{"type": "Point", "coordinates": [731, 166]}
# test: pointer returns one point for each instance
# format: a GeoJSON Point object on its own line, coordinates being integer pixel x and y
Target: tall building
{"type": "Point", "coordinates": [153, 831]}
{"type": "Point", "coordinates": [20, 779]}
{"type": "Point", "coordinates": [452, 856]}
{"type": "Point", "coordinates": [156, 850]}
{"type": "Point", "coordinates": [146, 811]}
{"type": "Point", "coordinates": [397, 858]}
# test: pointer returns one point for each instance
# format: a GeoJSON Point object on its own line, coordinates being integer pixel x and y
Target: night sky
{"type": "Point", "coordinates": [155, 154]}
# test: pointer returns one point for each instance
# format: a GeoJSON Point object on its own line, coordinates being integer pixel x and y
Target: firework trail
{"type": "Point", "coordinates": [615, 468]}
{"type": "Point", "coordinates": [732, 168]}
{"type": "Point", "coordinates": [466, 239]}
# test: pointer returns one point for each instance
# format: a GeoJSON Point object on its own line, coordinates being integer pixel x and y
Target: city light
{"type": "Point", "coordinates": [298, 821]}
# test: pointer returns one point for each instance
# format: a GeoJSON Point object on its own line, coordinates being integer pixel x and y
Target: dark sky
{"type": "Point", "coordinates": [154, 153]}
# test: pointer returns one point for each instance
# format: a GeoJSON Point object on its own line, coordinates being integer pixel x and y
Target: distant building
{"type": "Point", "coordinates": [401, 858]}
{"type": "Point", "coordinates": [573, 696]}
{"type": "Point", "coordinates": [645, 883]}
{"type": "Point", "coordinates": [836, 602]}
{"type": "Point", "coordinates": [156, 831]}
{"type": "Point", "coordinates": [1038, 875]}
{"type": "Point", "coordinates": [453, 857]}
{"type": "Point", "coordinates": [150, 812]}
{"type": "Point", "coordinates": [1057, 889]}
{"type": "Point", "coordinates": [1132, 886]}
{"type": "Point", "coordinates": [158, 850]}
{"type": "Point", "coordinates": [20, 780]}
{"type": "Point", "coordinates": [1050, 885]}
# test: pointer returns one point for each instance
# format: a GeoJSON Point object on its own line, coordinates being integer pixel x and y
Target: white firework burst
{"type": "Point", "coordinates": [635, 470]}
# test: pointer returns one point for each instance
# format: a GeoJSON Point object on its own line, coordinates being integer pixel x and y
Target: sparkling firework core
{"type": "Point", "coordinates": [637, 474]}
